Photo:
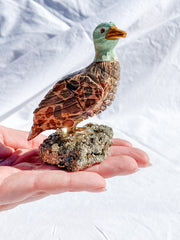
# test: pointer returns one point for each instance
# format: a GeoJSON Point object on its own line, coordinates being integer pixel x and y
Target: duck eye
{"type": "Point", "coordinates": [102, 30]}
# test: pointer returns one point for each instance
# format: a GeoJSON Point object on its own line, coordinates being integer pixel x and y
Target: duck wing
{"type": "Point", "coordinates": [71, 100]}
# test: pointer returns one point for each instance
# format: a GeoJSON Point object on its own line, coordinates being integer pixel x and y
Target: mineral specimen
{"type": "Point", "coordinates": [74, 152]}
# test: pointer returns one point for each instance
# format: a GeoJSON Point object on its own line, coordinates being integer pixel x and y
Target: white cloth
{"type": "Point", "coordinates": [40, 41]}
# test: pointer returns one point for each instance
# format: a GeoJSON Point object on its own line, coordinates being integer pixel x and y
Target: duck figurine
{"type": "Point", "coordinates": [87, 92]}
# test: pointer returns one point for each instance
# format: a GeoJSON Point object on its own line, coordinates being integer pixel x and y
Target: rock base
{"type": "Point", "coordinates": [77, 151]}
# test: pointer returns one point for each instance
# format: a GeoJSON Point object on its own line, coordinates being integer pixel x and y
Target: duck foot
{"type": "Point", "coordinates": [80, 130]}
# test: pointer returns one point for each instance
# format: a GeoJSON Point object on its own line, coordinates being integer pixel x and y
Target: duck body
{"type": "Point", "coordinates": [85, 93]}
{"type": "Point", "coordinates": [77, 97]}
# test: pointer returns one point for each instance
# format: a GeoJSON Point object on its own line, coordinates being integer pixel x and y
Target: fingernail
{"type": "Point", "coordinates": [104, 190]}
{"type": "Point", "coordinates": [148, 165]}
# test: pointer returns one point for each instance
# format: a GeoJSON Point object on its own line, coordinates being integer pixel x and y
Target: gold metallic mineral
{"type": "Point", "coordinates": [79, 150]}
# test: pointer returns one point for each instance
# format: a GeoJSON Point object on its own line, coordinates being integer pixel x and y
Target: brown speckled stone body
{"type": "Point", "coordinates": [77, 151]}
{"type": "Point", "coordinates": [77, 97]}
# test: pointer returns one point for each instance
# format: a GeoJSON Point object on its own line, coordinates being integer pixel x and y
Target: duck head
{"type": "Point", "coordinates": [106, 37]}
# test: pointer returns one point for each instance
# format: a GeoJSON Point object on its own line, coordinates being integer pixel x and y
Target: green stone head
{"type": "Point", "coordinates": [106, 36]}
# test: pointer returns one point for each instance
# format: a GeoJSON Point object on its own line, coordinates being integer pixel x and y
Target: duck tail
{"type": "Point", "coordinates": [34, 132]}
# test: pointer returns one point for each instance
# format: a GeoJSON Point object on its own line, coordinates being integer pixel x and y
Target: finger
{"type": "Point", "coordinates": [18, 139]}
{"type": "Point", "coordinates": [24, 184]}
{"type": "Point", "coordinates": [35, 197]}
{"type": "Point", "coordinates": [5, 151]}
{"type": "Point", "coordinates": [26, 155]}
{"type": "Point", "coordinates": [115, 165]}
{"type": "Point", "coordinates": [9, 161]}
{"type": "Point", "coordinates": [121, 142]}
{"type": "Point", "coordinates": [45, 166]}
{"type": "Point", "coordinates": [60, 181]}
{"type": "Point", "coordinates": [140, 156]}
{"type": "Point", "coordinates": [35, 166]}
{"type": "Point", "coordinates": [6, 172]}
{"type": "Point", "coordinates": [5, 207]}
{"type": "Point", "coordinates": [25, 166]}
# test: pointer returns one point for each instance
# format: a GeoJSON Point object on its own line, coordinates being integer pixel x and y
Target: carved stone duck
{"type": "Point", "coordinates": [84, 93]}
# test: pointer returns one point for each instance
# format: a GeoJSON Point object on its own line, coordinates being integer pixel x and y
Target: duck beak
{"type": "Point", "coordinates": [114, 33]}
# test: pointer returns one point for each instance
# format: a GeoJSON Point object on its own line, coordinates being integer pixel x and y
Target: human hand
{"type": "Point", "coordinates": [24, 178]}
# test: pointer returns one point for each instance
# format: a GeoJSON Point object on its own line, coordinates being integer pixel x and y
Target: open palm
{"type": "Point", "coordinates": [24, 178]}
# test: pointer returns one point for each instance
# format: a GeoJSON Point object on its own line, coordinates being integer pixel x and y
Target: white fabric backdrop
{"type": "Point", "coordinates": [42, 40]}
